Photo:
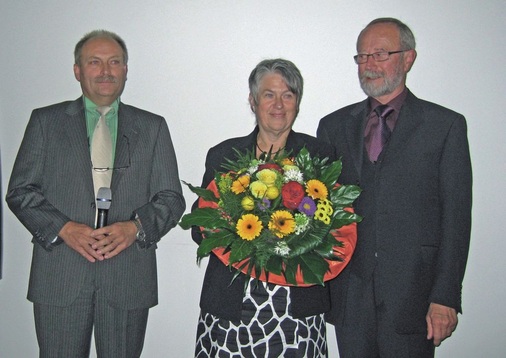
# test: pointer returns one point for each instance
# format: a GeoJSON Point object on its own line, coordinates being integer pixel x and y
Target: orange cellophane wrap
{"type": "Point", "coordinates": [346, 234]}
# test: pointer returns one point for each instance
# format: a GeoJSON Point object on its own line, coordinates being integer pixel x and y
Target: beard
{"type": "Point", "coordinates": [388, 86]}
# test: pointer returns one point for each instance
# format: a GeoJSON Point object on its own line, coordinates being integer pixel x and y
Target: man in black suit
{"type": "Point", "coordinates": [401, 293]}
{"type": "Point", "coordinates": [82, 278]}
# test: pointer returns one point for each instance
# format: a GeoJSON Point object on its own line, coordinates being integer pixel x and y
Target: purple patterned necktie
{"type": "Point", "coordinates": [379, 132]}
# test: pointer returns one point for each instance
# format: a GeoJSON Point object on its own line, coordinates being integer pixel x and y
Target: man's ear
{"type": "Point", "coordinates": [77, 72]}
{"type": "Point", "coordinates": [409, 59]}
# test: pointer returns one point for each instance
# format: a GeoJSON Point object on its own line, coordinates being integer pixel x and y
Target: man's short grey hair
{"type": "Point", "coordinates": [99, 34]}
{"type": "Point", "coordinates": [406, 37]}
{"type": "Point", "coordinates": [290, 73]}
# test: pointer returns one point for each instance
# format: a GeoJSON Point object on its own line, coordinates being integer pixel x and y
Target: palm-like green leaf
{"type": "Point", "coordinates": [205, 194]}
{"type": "Point", "coordinates": [206, 217]}
{"type": "Point", "coordinates": [215, 240]}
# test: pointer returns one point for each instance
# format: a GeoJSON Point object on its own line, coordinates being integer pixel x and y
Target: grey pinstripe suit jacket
{"type": "Point", "coordinates": [51, 184]}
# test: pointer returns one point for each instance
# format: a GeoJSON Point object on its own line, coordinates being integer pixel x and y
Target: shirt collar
{"type": "Point", "coordinates": [396, 103]}
{"type": "Point", "coordinates": [91, 108]}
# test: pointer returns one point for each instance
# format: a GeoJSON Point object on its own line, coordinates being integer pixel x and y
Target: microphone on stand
{"type": "Point", "coordinates": [103, 205]}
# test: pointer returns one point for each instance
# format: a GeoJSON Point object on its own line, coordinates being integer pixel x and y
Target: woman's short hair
{"type": "Point", "coordinates": [290, 73]}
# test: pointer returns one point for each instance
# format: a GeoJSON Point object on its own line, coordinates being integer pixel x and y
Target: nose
{"type": "Point", "coordinates": [279, 102]}
{"type": "Point", "coordinates": [105, 68]}
{"type": "Point", "coordinates": [370, 63]}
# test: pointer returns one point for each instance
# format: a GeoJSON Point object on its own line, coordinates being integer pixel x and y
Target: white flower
{"type": "Point", "coordinates": [282, 248]}
{"type": "Point", "coordinates": [252, 169]}
{"type": "Point", "coordinates": [293, 175]}
{"type": "Point", "coordinates": [301, 223]}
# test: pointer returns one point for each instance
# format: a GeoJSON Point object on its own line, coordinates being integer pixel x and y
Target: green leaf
{"type": "Point", "coordinates": [206, 217]}
{"type": "Point", "coordinates": [240, 249]}
{"type": "Point", "coordinates": [345, 195]}
{"type": "Point", "coordinates": [305, 163]}
{"type": "Point", "coordinates": [274, 265]}
{"type": "Point", "coordinates": [221, 238]}
{"type": "Point", "coordinates": [331, 173]}
{"type": "Point", "coordinates": [291, 266]}
{"type": "Point", "coordinates": [343, 217]}
{"type": "Point", "coordinates": [313, 268]}
{"type": "Point", "coordinates": [205, 194]}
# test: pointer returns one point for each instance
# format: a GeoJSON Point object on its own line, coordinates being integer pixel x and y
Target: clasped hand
{"type": "Point", "coordinates": [98, 244]}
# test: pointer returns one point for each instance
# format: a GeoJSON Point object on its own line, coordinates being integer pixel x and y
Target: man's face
{"type": "Point", "coordinates": [101, 71]}
{"type": "Point", "coordinates": [386, 79]}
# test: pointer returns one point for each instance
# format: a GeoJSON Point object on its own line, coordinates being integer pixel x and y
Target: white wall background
{"type": "Point", "coordinates": [190, 60]}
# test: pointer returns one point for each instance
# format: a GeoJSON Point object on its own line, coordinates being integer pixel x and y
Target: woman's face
{"type": "Point", "coordinates": [277, 105]}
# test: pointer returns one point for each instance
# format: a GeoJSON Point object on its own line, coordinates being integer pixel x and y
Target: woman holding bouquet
{"type": "Point", "coordinates": [265, 319]}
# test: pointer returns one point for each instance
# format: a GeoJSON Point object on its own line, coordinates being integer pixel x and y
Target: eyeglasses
{"type": "Point", "coordinates": [377, 56]}
{"type": "Point", "coordinates": [103, 170]}
{"type": "Point", "coordinates": [123, 166]}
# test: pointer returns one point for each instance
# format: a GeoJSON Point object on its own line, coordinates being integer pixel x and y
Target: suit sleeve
{"type": "Point", "coordinates": [25, 195]}
{"type": "Point", "coordinates": [167, 203]}
{"type": "Point", "coordinates": [456, 199]}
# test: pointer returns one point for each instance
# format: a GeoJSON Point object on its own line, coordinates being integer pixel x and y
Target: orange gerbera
{"type": "Point", "coordinates": [316, 189]}
{"type": "Point", "coordinates": [249, 227]}
{"type": "Point", "coordinates": [282, 223]}
{"type": "Point", "coordinates": [240, 185]}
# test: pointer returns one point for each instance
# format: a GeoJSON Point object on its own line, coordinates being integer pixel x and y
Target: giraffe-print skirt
{"type": "Point", "coordinates": [266, 329]}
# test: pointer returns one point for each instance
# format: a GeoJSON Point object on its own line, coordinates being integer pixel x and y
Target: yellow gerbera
{"type": "Point", "coordinates": [282, 223]}
{"type": "Point", "coordinates": [249, 227]}
{"type": "Point", "coordinates": [316, 189]}
{"type": "Point", "coordinates": [240, 185]}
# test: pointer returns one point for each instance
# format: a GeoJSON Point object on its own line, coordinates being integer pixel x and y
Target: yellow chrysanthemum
{"type": "Point", "coordinates": [240, 185]}
{"type": "Point", "coordinates": [282, 223]}
{"type": "Point", "coordinates": [267, 176]}
{"type": "Point", "coordinates": [326, 205]}
{"type": "Point", "coordinates": [249, 227]}
{"type": "Point", "coordinates": [321, 215]}
{"type": "Point", "coordinates": [287, 161]}
{"type": "Point", "coordinates": [272, 192]}
{"type": "Point", "coordinates": [248, 203]}
{"type": "Point", "coordinates": [258, 189]}
{"type": "Point", "coordinates": [316, 189]}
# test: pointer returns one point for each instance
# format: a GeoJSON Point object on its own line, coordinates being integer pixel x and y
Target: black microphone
{"type": "Point", "coordinates": [103, 205]}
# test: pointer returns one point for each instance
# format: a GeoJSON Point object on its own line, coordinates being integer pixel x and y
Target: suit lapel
{"type": "Point", "coordinates": [74, 128]}
{"type": "Point", "coordinates": [354, 134]}
{"type": "Point", "coordinates": [410, 118]}
{"type": "Point", "coordinates": [128, 135]}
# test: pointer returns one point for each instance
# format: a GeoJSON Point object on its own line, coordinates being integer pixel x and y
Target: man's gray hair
{"type": "Point", "coordinates": [406, 37]}
{"type": "Point", "coordinates": [99, 34]}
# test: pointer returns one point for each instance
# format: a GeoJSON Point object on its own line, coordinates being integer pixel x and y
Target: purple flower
{"type": "Point", "coordinates": [307, 206]}
{"type": "Point", "coordinates": [264, 204]}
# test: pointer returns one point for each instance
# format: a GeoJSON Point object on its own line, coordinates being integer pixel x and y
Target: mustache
{"type": "Point", "coordinates": [106, 79]}
{"type": "Point", "coordinates": [371, 74]}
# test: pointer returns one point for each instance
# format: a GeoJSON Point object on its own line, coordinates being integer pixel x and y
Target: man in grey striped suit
{"type": "Point", "coordinates": [83, 278]}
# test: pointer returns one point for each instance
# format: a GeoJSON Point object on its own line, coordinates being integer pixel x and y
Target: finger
{"type": "Point", "coordinates": [114, 252]}
{"type": "Point", "coordinates": [89, 254]}
{"type": "Point", "coordinates": [430, 332]}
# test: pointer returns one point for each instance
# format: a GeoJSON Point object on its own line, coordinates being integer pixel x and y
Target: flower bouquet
{"type": "Point", "coordinates": [282, 219]}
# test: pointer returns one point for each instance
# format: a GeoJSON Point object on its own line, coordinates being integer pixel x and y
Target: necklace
{"type": "Point", "coordinates": [264, 154]}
